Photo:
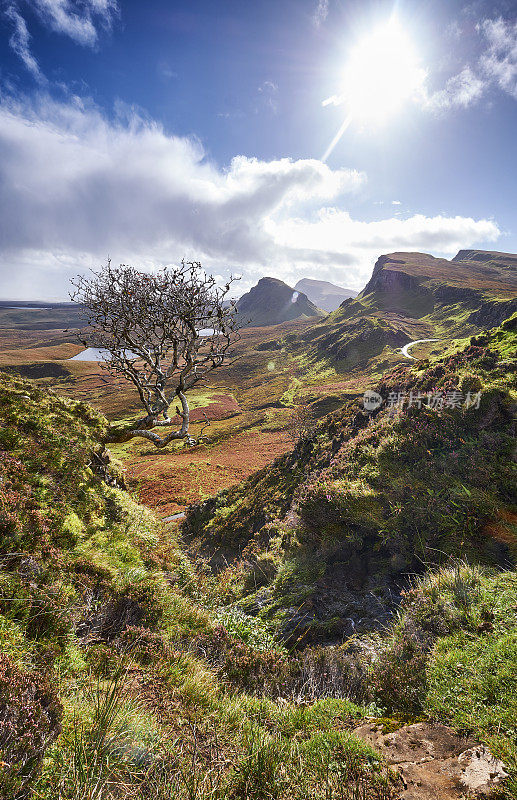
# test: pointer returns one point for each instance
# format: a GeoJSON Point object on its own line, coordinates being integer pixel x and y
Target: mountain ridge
{"type": "Point", "coordinates": [324, 294]}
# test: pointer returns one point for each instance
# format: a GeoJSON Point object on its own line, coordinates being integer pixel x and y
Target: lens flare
{"type": "Point", "coordinates": [382, 73]}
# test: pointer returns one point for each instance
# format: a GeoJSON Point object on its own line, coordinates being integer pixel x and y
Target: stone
{"type": "Point", "coordinates": [481, 771]}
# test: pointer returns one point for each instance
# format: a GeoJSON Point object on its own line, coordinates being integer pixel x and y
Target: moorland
{"type": "Point", "coordinates": [334, 616]}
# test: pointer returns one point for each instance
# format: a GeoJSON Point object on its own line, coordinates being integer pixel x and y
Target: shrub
{"type": "Point", "coordinates": [250, 630]}
{"type": "Point", "coordinates": [319, 672]}
{"type": "Point", "coordinates": [30, 716]}
{"type": "Point", "coordinates": [143, 644]}
{"type": "Point", "coordinates": [470, 383]}
{"type": "Point", "coordinates": [336, 764]}
{"type": "Point", "coordinates": [399, 675]}
{"type": "Point", "coordinates": [240, 664]}
{"type": "Point", "coordinates": [259, 774]}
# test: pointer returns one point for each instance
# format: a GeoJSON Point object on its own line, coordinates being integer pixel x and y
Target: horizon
{"type": "Point", "coordinates": [294, 140]}
{"type": "Point", "coordinates": [38, 302]}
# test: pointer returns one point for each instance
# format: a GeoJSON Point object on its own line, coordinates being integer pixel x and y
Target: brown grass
{"type": "Point", "coordinates": [473, 274]}
{"type": "Point", "coordinates": [168, 481]}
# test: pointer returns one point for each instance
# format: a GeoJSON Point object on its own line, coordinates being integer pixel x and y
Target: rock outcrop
{"type": "Point", "coordinates": [417, 285]}
{"type": "Point", "coordinates": [435, 763]}
{"type": "Point", "coordinates": [272, 301]}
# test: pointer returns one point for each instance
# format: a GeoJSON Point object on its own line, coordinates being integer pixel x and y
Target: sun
{"type": "Point", "coordinates": [382, 73]}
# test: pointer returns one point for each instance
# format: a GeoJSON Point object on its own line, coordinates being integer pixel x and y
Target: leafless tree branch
{"type": "Point", "coordinates": [163, 332]}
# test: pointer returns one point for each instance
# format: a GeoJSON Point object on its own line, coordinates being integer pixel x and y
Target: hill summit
{"type": "Point", "coordinates": [272, 301]}
{"type": "Point", "coordinates": [474, 290]}
{"type": "Point", "coordinates": [324, 294]}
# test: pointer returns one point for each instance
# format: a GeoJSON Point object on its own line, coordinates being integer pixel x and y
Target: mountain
{"type": "Point", "coordinates": [413, 296]}
{"type": "Point", "coordinates": [480, 285]}
{"type": "Point", "coordinates": [397, 528]}
{"type": "Point", "coordinates": [324, 294]}
{"type": "Point", "coordinates": [503, 259]}
{"type": "Point", "coordinates": [272, 301]}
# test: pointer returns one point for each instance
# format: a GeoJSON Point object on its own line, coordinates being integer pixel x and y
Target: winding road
{"type": "Point", "coordinates": [404, 350]}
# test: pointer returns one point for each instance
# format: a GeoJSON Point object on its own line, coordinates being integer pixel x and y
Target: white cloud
{"type": "Point", "coordinates": [460, 91]}
{"type": "Point", "coordinates": [499, 61]}
{"type": "Point", "coordinates": [78, 19]}
{"type": "Point", "coordinates": [338, 231]}
{"type": "Point", "coordinates": [75, 187]}
{"type": "Point", "coordinates": [495, 67]}
{"type": "Point", "coordinates": [19, 41]}
{"type": "Point", "coordinates": [320, 13]}
{"type": "Point", "coordinates": [396, 203]}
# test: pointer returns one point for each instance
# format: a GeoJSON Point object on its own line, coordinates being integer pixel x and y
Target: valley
{"type": "Point", "coordinates": [258, 400]}
{"type": "Point", "coordinates": [319, 363]}
{"type": "Point", "coordinates": [335, 593]}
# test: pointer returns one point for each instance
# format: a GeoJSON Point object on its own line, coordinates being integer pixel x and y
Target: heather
{"type": "Point", "coordinates": [107, 684]}
{"type": "Point", "coordinates": [323, 537]}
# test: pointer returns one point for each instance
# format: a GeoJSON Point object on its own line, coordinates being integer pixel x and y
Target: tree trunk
{"type": "Point", "coordinates": [145, 425]}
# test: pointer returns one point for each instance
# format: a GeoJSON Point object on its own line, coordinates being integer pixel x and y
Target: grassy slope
{"type": "Point", "coordinates": [414, 296]}
{"type": "Point", "coordinates": [105, 684]}
{"type": "Point", "coordinates": [434, 486]}
{"type": "Point", "coordinates": [127, 682]}
{"type": "Point", "coordinates": [379, 495]}
{"type": "Point", "coordinates": [92, 587]}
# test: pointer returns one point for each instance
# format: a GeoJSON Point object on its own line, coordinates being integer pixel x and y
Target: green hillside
{"type": "Point", "coordinates": [410, 296]}
{"type": "Point", "coordinates": [114, 682]}
{"type": "Point", "coordinates": [364, 578]}
{"type": "Point", "coordinates": [475, 289]}
{"type": "Point", "coordinates": [323, 536]}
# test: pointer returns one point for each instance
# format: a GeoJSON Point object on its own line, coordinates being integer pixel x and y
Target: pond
{"type": "Point", "coordinates": [96, 354]}
{"type": "Point", "coordinates": [92, 354]}
{"type": "Point", "coordinates": [101, 354]}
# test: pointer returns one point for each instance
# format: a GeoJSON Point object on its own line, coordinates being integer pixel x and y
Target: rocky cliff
{"type": "Point", "coordinates": [475, 289]}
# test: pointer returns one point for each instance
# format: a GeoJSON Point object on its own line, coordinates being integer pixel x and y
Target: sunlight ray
{"type": "Point", "coordinates": [337, 137]}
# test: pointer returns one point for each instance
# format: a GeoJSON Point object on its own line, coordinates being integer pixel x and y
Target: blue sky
{"type": "Point", "coordinates": [155, 130]}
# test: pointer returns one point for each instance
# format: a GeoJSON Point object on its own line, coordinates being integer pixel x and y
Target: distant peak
{"type": "Point", "coordinates": [324, 294]}
{"type": "Point", "coordinates": [273, 281]}
{"type": "Point", "coordinates": [272, 301]}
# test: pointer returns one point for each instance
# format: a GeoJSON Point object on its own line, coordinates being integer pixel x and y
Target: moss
{"type": "Point", "coordinates": [71, 529]}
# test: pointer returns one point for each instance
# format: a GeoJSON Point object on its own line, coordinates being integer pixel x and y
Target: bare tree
{"type": "Point", "coordinates": [163, 332]}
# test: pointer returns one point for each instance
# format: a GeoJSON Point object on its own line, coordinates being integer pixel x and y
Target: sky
{"type": "Point", "coordinates": [291, 138]}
